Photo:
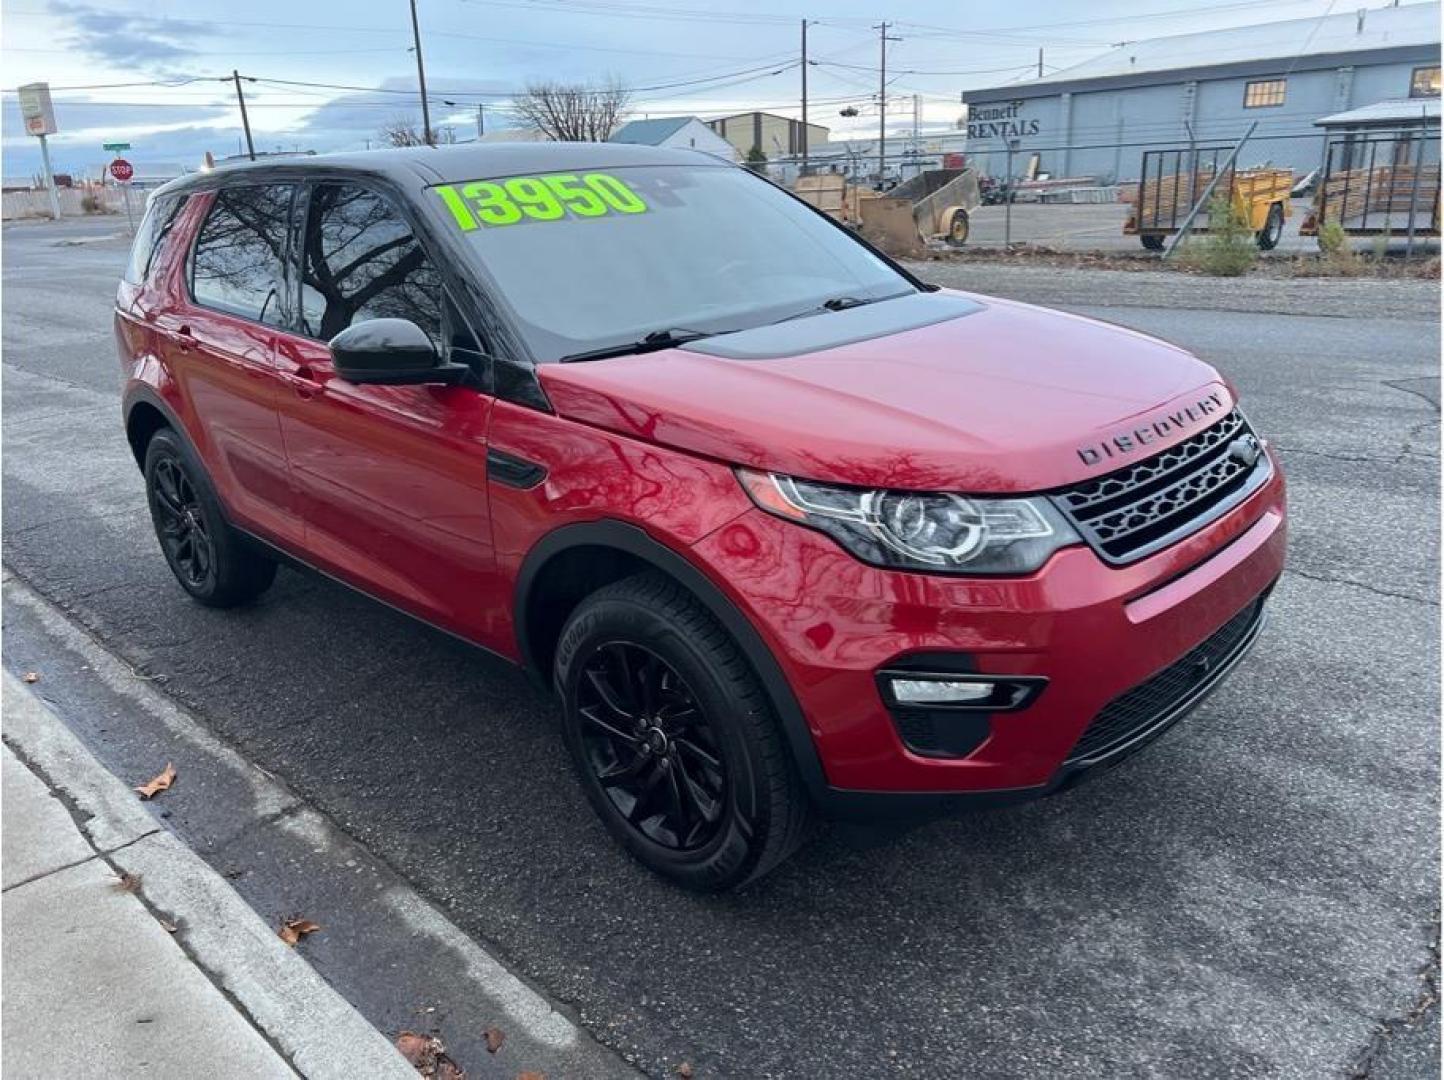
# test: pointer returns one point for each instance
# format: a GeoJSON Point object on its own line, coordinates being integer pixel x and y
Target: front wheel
{"type": "Point", "coordinates": [674, 739]}
{"type": "Point", "coordinates": [211, 560]}
{"type": "Point", "coordinates": [1273, 231]}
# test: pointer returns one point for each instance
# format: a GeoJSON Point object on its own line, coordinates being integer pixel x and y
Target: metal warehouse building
{"type": "Point", "coordinates": [1096, 118]}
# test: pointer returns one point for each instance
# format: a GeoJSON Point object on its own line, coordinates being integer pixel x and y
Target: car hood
{"type": "Point", "coordinates": [997, 397]}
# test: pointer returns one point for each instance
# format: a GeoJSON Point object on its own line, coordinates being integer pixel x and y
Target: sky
{"type": "Point", "coordinates": [327, 75]}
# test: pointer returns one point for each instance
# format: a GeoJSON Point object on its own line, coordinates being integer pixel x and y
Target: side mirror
{"type": "Point", "coordinates": [391, 352]}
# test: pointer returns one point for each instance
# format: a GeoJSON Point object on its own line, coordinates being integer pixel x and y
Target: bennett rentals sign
{"type": "Point", "coordinates": [999, 120]}
{"type": "Point", "coordinates": [36, 109]}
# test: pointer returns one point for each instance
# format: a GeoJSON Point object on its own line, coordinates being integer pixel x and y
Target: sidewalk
{"type": "Point", "coordinates": [166, 974]}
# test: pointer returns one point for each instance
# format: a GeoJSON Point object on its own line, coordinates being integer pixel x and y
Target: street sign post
{"type": "Point", "coordinates": [122, 171]}
{"type": "Point", "coordinates": [39, 116]}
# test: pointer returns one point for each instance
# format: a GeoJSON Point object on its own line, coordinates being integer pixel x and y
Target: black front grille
{"type": "Point", "coordinates": [1154, 700]}
{"type": "Point", "coordinates": [1144, 507]}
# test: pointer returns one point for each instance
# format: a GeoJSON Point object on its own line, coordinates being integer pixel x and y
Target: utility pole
{"type": "Point", "coordinates": [803, 171]}
{"type": "Point", "coordinates": [1040, 61]}
{"type": "Point", "coordinates": [421, 78]}
{"type": "Point", "coordinates": [883, 39]}
{"type": "Point", "coordinates": [245, 120]}
{"type": "Point", "coordinates": [480, 120]}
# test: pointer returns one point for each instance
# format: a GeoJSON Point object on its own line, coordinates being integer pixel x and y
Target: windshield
{"type": "Point", "coordinates": [588, 261]}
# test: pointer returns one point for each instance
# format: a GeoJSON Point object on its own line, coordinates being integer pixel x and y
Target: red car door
{"type": "Point", "coordinates": [217, 337]}
{"type": "Point", "coordinates": [392, 479]}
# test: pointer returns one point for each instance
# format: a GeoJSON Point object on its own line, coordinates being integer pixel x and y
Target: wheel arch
{"type": "Point", "coordinates": [145, 414]}
{"type": "Point", "coordinates": [618, 549]}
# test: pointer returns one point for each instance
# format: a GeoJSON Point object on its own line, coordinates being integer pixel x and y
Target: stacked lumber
{"type": "Point", "coordinates": [1163, 202]}
{"type": "Point", "coordinates": [1385, 190]}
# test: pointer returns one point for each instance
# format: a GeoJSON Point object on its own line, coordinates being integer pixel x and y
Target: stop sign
{"type": "Point", "coordinates": [121, 170]}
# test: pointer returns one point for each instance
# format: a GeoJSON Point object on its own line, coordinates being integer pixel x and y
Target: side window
{"type": "Point", "coordinates": [237, 265]}
{"type": "Point", "coordinates": [360, 261]}
{"type": "Point", "coordinates": [149, 238]}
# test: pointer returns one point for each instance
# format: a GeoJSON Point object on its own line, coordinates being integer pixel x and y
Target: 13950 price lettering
{"type": "Point", "coordinates": [494, 203]}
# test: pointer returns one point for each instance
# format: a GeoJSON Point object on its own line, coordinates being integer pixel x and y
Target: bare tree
{"type": "Point", "coordinates": [572, 112]}
{"type": "Point", "coordinates": [404, 131]}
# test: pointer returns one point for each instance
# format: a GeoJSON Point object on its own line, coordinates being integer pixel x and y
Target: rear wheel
{"type": "Point", "coordinates": [958, 228]}
{"type": "Point", "coordinates": [1152, 241]}
{"type": "Point", "coordinates": [674, 739]}
{"type": "Point", "coordinates": [211, 560]}
{"type": "Point", "coordinates": [1273, 231]}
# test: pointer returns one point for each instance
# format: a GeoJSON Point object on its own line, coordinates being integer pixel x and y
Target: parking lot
{"type": "Point", "coordinates": [1256, 895]}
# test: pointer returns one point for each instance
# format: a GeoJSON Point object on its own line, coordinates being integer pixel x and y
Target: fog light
{"type": "Point", "coordinates": [940, 691]}
{"type": "Point", "coordinates": [958, 690]}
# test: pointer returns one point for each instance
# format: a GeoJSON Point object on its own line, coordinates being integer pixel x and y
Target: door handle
{"type": "Point", "coordinates": [305, 382]}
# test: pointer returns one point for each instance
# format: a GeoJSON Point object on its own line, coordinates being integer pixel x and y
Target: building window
{"type": "Point", "coordinates": [1264, 93]}
{"type": "Point", "coordinates": [1424, 82]}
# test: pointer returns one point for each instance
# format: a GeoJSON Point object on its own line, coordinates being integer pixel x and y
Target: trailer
{"type": "Point", "coordinates": [934, 205]}
{"type": "Point", "coordinates": [1172, 181]}
{"type": "Point", "coordinates": [1379, 183]}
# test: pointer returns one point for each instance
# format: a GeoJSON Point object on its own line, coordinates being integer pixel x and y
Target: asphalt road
{"type": "Point", "coordinates": [1256, 895]}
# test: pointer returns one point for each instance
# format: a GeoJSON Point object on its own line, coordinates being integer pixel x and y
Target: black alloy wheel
{"type": "Point", "coordinates": [214, 563]}
{"type": "Point", "coordinates": [648, 744]}
{"type": "Point", "coordinates": [674, 737]}
{"type": "Point", "coordinates": [185, 535]}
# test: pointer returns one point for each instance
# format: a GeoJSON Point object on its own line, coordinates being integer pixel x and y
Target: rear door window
{"type": "Point", "coordinates": [238, 262]}
{"type": "Point", "coordinates": [160, 215]}
{"type": "Point", "coordinates": [360, 261]}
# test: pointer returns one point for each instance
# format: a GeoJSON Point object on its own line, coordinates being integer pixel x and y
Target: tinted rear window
{"type": "Point", "coordinates": [237, 265]}
{"type": "Point", "coordinates": [160, 215]}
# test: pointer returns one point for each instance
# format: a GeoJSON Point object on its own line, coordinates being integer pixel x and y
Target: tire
{"type": "Point", "coordinates": [1151, 241]}
{"type": "Point", "coordinates": [212, 562]}
{"type": "Point", "coordinates": [673, 737]}
{"type": "Point", "coordinates": [1269, 236]}
{"type": "Point", "coordinates": [957, 234]}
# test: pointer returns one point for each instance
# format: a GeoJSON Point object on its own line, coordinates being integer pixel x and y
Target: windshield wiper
{"type": "Point", "coordinates": [842, 303]}
{"type": "Point", "coordinates": [653, 342]}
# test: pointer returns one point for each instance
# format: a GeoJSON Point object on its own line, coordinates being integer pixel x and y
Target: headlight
{"type": "Point", "coordinates": [945, 534]}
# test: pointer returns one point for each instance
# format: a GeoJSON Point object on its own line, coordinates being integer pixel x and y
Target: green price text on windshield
{"type": "Point", "coordinates": [493, 203]}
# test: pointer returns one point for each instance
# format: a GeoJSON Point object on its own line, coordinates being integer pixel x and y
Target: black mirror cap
{"type": "Point", "coordinates": [390, 352]}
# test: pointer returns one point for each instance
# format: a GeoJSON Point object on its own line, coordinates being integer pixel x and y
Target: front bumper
{"type": "Point", "coordinates": [1095, 632]}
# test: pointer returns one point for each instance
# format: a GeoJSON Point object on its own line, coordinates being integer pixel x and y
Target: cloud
{"type": "Point", "coordinates": [128, 39]}
{"type": "Point", "coordinates": [347, 121]}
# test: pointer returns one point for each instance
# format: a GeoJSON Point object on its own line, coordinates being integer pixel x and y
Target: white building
{"type": "Point", "coordinates": [684, 132]}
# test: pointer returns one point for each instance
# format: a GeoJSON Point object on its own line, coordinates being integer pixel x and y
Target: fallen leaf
{"type": "Point", "coordinates": [31, 676]}
{"type": "Point", "coordinates": [168, 927]}
{"type": "Point", "coordinates": [154, 786]}
{"type": "Point", "coordinates": [416, 1049]}
{"type": "Point", "coordinates": [292, 930]}
{"type": "Point", "coordinates": [428, 1056]}
{"type": "Point", "coordinates": [530, 1076]}
{"type": "Point", "coordinates": [684, 1070]}
{"type": "Point", "coordinates": [494, 1038]}
{"type": "Point", "coordinates": [127, 882]}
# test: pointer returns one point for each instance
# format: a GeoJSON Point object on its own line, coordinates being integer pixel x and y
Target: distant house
{"type": "Point", "coordinates": [776, 136]}
{"type": "Point", "coordinates": [686, 132]}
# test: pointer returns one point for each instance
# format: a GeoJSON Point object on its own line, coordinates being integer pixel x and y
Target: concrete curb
{"type": "Point", "coordinates": [318, 1031]}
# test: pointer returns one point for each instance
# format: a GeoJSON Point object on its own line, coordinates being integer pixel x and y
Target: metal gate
{"type": "Point", "coordinates": [1381, 184]}
{"type": "Point", "coordinates": [1171, 182]}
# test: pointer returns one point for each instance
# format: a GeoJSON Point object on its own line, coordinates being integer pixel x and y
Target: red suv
{"type": "Point", "coordinates": [788, 530]}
